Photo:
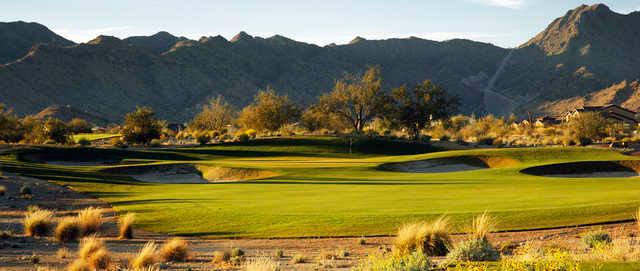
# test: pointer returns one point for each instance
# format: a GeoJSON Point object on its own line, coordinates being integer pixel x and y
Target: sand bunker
{"type": "Point", "coordinates": [450, 164]}
{"type": "Point", "coordinates": [189, 173]}
{"type": "Point", "coordinates": [593, 169]}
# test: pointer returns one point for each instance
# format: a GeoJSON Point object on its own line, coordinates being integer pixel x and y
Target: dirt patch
{"type": "Point", "coordinates": [450, 164]}
{"type": "Point", "coordinates": [591, 169]}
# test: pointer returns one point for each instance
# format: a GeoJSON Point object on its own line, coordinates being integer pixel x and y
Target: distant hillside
{"type": "Point", "coordinates": [16, 38]}
{"type": "Point", "coordinates": [67, 113]}
{"type": "Point", "coordinates": [625, 93]}
{"type": "Point", "coordinates": [588, 49]}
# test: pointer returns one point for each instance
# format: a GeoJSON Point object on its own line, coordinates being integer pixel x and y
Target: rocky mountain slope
{"type": "Point", "coordinates": [17, 38]}
{"type": "Point", "coordinates": [588, 49]}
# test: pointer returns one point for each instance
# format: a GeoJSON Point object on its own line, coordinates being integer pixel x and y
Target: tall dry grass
{"type": "Point", "coordinates": [430, 238]}
{"type": "Point", "coordinates": [125, 226]}
{"type": "Point", "coordinates": [175, 250]}
{"type": "Point", "coordinates": [90, 220]}
{"type": "Point", "coordinates": [79, 265]}
{"type": "Point", "coordinates": [94, 252]}
{"type": "Point", "coordinates": [146, 257]}
{"type": "Point", "coordinates": [38, 222]}
{"type": "Point", "coordinates": [481, 226]}
{"type": "Point", "coordinates": [261, 264]}
{"type": "Point", "coordinates": [68, 230]}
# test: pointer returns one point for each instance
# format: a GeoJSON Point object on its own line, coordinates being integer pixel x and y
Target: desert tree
{"type": "Point", "coordinates": [78, 125]}
{"type": "Point", "coordinates": [11, 129]}
{"type": "Point", "coordinates": [315, 118]}
{"type": "Point", "coordinates": [416, 108]}
{"type": "Point", "coordinates": [214, 116]}
{"type": "Point", "coordinates": [269, 111]}
{"type": "Point", "coordinates": [141, 126]}
{"type": "Point", "coordinates": [56, 130]}
{"type": "Point", "coordinates": [586, 127]}
{"type": "Point", "coordinates": [356, 99]}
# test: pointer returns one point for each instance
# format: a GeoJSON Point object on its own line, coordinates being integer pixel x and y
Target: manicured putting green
{"type": "Point", "coordinates": [330, 186]}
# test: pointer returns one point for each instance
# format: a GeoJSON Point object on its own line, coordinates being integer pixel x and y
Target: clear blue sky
{"type": "Point", "coordinates": [505, 23]}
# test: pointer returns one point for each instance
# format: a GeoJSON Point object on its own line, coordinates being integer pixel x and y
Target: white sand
{"type": "Point", "coordinates": [433, 166]}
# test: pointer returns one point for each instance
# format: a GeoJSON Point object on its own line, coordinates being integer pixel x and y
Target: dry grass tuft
{"type": "Point", "coordinates": [261, 264]}
{"type": "Point", "coordinates": [38, 222]}
{"type": "Point", "coordinates": [299, 258]}
{"type": "Point", "coordinates": [431, 239]}
{"type": "Point", "coordinates": [68, 230]}
{"type": "Point", "coordinates": [146, 257]}
{"type": "Point", "coordinates": [481, 226]}
{"type": "Point", "coordinates": [125, 225]}
{"type": "Point", "coordinates": [220, 257]}
{"type": "Point", "coordinates": [79, 265]}
{"type": "Point", "coordinates": [637, 217]}
{"type": "Point", "coordinates": [94, 252]}
{"type": "Point", "coordinates": [175, 250]}
{"type": "Point", "coordinates": [63, 253]}
{"type": "Point", "coordinates": [90, 220]}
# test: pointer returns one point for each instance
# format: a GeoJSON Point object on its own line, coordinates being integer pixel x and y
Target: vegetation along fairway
{"type": "Point", "coordinates": [322, 188]}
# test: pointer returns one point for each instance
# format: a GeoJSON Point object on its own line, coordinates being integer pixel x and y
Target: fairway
{"type": "Point", "coordinates": [322, 187]}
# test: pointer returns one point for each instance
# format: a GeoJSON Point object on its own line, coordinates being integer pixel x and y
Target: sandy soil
{"type": "Point", "coordinates": [433, 166]}
{"type": "Point", "coordinates": [19, 252]}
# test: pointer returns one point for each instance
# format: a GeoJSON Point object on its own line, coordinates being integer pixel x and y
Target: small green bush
{"type": "Point", "coordinates": [594, 239]}
{"type": "Point", "coordinates": [203, 138]}
{"type": "Point", "coordinates": [279, 253]}
{"type": "Point", "coordinates": [473, 250]}
{"type": "Point", "coordinates": [84, 142]}
{"type": "Point", "coordinates": [155, 143]}
{"type": "Point", "coordinates": [243, 137]}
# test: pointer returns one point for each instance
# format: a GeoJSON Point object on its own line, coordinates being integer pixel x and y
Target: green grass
{"type": "Point", "coordinates": [325, 190]}
{"type": "Point", "coordinates": [93, 137]}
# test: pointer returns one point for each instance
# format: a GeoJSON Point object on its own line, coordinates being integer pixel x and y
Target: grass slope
{"type": "Point", "coordinates": [325, 190]}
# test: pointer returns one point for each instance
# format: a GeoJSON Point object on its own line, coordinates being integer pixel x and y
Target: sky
{"type": "Point", "coordinates": [506, 23]}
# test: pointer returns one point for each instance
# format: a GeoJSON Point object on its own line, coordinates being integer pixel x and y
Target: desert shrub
{"type": "Point", "coordinates": [79, 265]}
{"type": "Point", "coordinates": [486, 141]}
{"type": "Point", "coordinates": [175, 250]}
{"type": "Point", "coordinates": [90, 220]}
{"type": "Point", "coordinates": [94, 252]}
{"type": "Point", "coordinates": [279, 253]}
{"type": "Point", "coordinates": [261, 264]}
{"type": "Point", "coordinates": [3, 190]}
{"type": "Point", "coordinates": [593, 239]}
{"type": "Point", "coordinates": [155, 143]}
{"type": "Point", "coordinates": [118, 143]}
{"type": "Point", "coordinates": [84, 142]}
{"type": "Point", "coordinates": [242, 137]}
{"type": "Point", "coordinates": [25, 191]}
{"type": "Point", "coordinates": [63, 253]}
{"type": "Point", "coordinates": [474, 250]}
{"type": "Point", "coordinates": [5, 234]}
{"type": "Point", "coordinates": [237, 252]}
{"type": "Point", "coordinates": [445, 138]}
{"type": "Point", "coordinates": [125, 226]}
{"type": "Point", "coordinates": [220, 257]}
{"type": "Point", "coordinates": [68, 230]}
{"type": "Point", "coordinates": [38, 223]}
{"type": "Point", "coordinates": [343, 253]}
{"type": "Point", "coordinates": [202, 138]}
{"type": "Point", "coordinates": [411, 262]}
{"type": "Point", "coordinates": [362, 241]}
{"type": "Point", "coordinates": [298, 258]}
{"type": "Point", "coordinates": [146, 256]}
{"type": "Point", "coordinates": [529, 257]}
{"type": "Point", "coordinates": [141, 126]}
{"type": "Point", "coordinates": [326, 255]}
{"type": "Point", "coordinates": [584, 141]}
{"type": "Point", "coordinates": [619, 250]}
{"type": "Point", "coordinates": [431, 239]}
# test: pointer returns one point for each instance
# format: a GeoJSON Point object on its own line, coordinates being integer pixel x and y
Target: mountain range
{"type": "Point", "coordinates": [588, 51]}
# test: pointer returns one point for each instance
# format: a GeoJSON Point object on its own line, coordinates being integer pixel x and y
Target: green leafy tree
{"type": "Point", "coordinates": [78, 126]}
{"type": "Point", "coordinates": [269, 112]}
{"type": "Point", "coordinates": [141, 126]}
{"type": "Point", "coordinates": [587, 127]}
{"type": "Point", "coordinates": [56, 130]}
{"type": "Point", "coordinates": [11, 129]}
{"type": "Point", "coordinates": [415, 109]}
{"type": "Point", "coordinates": [214, 116]}
{"type": "Point", "coordinates": [357, 100]}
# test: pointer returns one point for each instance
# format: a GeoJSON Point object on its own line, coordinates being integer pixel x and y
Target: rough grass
{"type": "Point", "coordinates": [125, 226]}
{"type": "Point", "coordinates": [431, 238]}
{"type": "Point", "coordinates": [90, 220]}
{"type": "Point", "coordinates": [38, 222]}
{"type": "Point", "coordinates": [93, 251]}
{"type": "Point", "coordinates": [68, 230]}
{"type": "Point", "coordinates": [146, 257]}
{"type": "Point", "coordinates": [175, 250]}
{"type": "Point", "coordinates": [322, 190]}
{"type": "Point", "coordinates": [261, 264]}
